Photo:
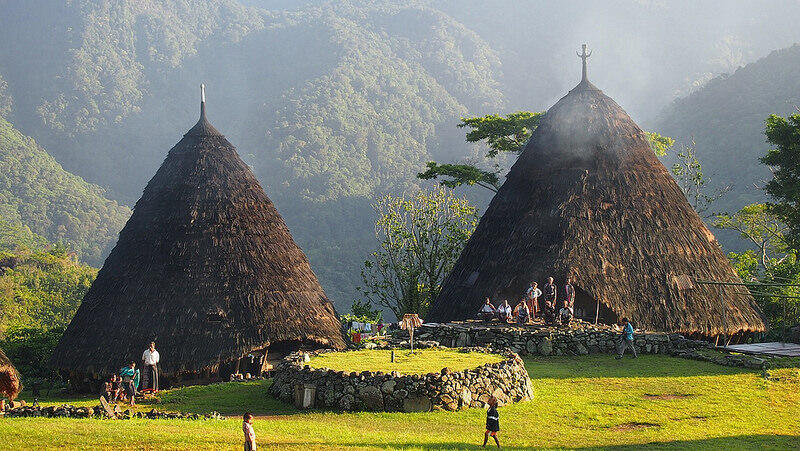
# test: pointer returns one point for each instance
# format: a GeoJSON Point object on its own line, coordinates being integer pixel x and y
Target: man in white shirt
{"type": "Point", "coordinates": [151, 359]}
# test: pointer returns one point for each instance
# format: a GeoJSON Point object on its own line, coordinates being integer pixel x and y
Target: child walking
{"type": "Point", "coordinates": [492, 422]}
{"type": "Point", "coordinates": [249, 433]}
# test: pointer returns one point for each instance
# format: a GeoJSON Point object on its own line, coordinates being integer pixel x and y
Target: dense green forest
{"type": "Point", "coordinates": [38, 195]}
{"type": "Point", "coordinates": [332, 103]}
{"type": "Point", "coordinates": [726, 119]}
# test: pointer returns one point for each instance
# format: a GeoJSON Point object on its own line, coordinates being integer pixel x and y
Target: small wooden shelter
{"type": "Point", "coordinates": [588, 198]}
{"type": "Point", "coordinates": [206, 267]}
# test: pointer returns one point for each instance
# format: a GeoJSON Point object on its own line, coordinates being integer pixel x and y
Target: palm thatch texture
{"type": "Point", "coordinates": [206, 267]}
{"type": "Point", "coordinates": [587, 198]}
{"type": "Point", "coordinates": [10, 385]}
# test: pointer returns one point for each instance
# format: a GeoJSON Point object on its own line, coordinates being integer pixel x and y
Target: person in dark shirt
{"type": "Point", "coordinates": [492, 422]}
{"type": "Point", "coordinates": [550, 293]}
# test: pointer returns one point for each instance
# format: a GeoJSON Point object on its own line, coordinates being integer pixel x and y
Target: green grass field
{"type": "Point", "coordinates": [581, 402]}
{"type": "Point", "coordinates": [422, 361]}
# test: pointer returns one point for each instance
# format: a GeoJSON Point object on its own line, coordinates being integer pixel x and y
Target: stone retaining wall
{"type": "Point", "coordinates": [507, 380]}
{"type": "Point", "coordinates": [550, 340]}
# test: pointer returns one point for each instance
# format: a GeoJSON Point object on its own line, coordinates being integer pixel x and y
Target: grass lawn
{"type": "Point", "coordinates": [581, 402]}
{"type": "Point", "coordinates": [422, 361]}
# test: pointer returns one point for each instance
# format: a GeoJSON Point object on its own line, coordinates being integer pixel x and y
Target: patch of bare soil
{"type": "Point", "coordinates": [634, 426]}
{"type": "Point", "coordinates": [667, 396]}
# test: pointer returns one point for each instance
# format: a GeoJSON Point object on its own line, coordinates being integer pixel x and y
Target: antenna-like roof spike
{"type": "Point", "coordinates": [583, 56]}
{"type": "Point", "coordinates": [202, 102]}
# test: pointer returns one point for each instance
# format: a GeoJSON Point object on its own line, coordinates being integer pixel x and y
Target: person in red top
{"type": "Point", "coordinates": [249, 433]}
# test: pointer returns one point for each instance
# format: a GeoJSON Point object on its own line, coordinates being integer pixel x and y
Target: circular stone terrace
{"type": "Point", "coordinates": [428, 379]}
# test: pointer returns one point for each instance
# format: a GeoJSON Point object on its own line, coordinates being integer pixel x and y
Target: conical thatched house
{"type": "Point", "coordinates": [10, 385]}
{"type": "Point", "coordinates": [206, 267]}
{"type": "Point", "coordinates": [588, 198]}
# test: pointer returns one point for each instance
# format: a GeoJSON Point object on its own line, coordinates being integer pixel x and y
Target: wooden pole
{"type": "Point", "coordinates": [724, 315]}
{"type": "Point", "coordinates": [597, 313]}
{"type": "Point", "coordinates": [411, 339]}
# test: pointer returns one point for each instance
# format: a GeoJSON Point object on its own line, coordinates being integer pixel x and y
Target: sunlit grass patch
{"type": "Point", "coordinates": [422, 361]}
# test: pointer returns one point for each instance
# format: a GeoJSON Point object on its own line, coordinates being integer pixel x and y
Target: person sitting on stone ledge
{"type": "Point", "coordinates": [504, 312]}
{"type": "Point", "coordinates": [522, 312]}
{"type": "Point", "coordinates": [565, 314]}
{"type": "Point", "coordinates": [487, 312]}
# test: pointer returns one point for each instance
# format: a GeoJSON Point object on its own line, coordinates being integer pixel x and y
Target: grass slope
{"type": "Point", "coordinates": [421, 362]}
{"type": "Point", "coordinates": [588, 402]}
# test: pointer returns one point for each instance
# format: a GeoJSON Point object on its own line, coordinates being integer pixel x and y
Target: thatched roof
{"type": "Point", "coordinates": [10, 385]}
{"type": "Point", "coordinates": [205, 266]}
{"type": "Point", "coordinates": [588, 198]}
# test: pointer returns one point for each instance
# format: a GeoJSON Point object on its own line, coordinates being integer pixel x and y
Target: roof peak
{"type": "Point", "coordinates": [203, 127]}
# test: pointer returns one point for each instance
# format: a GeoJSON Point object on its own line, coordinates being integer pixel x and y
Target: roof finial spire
{"type": "Point", "coordinates": [583, 56]}
{"type": "Point", "coordinates": [202, 101]}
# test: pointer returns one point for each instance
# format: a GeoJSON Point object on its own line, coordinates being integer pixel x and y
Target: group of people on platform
{"type": "Point", "coordinates": [125, 385]}
{"type": "Point", "coordinates": [535, 303]}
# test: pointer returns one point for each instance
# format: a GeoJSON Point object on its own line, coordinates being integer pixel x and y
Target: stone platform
{"type": "Point", "coordinates": [578, 338]}
{"type": "Point", "coordinates": [506, 380]}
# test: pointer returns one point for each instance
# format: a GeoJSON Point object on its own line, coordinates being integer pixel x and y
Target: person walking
{"type": "Point", "coordinates": [626, 339]}
{"type": "Point", "coordinates": [492, 422]}
{"type": "Point", "coordinates": [150, 358]}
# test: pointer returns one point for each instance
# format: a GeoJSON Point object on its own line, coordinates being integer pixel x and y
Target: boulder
{"type": "Point", "coordinates": [388, 386]}
{"type": "Point", "coordinates": [371, 397]}
{"type": "Point", "coordinates": [346, 402]}
{"type": "Point", "coordinates": [417, 404]}
{"type": "Point", "coordinates": [545, 347]}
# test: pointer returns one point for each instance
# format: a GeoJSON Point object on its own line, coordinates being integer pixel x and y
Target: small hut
{"type": "Point", "coordinates": [10, 385]}
{"type": "Point", "coordinates": [588, 198]}
{"type": "Point", "coordinates": [207, 268]}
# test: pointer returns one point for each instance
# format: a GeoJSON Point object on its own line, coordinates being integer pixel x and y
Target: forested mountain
{"type": "Point", "coordinates": [332, 103]}
{"type": "Point", "coordinates": [38, 198]}
{"type": "Point", "coordinates": [726, 118]}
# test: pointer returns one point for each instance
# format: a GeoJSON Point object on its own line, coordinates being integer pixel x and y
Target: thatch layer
{"type": "Point", "coordinates": [10, 384]}
{"type": "Point", "coordinates": [205, 266]}
{"type": "Point", "coordinates": [588, 198]}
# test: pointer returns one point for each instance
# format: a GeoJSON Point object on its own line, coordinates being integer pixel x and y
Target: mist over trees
{"type": "Point", "coordinates": [334, 104]}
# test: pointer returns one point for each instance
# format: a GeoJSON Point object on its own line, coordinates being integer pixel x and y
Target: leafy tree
{"type": "Point", "coordinates": [661, 145]}
{"type": "Point", "coordinates": [363, 311]}
{"type": "Point", "coordinates": [420, 237]}
{"type": "Point", "coordinates": [502, 134]}
{"type": "Point", "coordinates": [30, 349]}
{"type": "Point", "coordinates": [688, 172]}
{"type": "Point", "coordinates": [756, 224]}
{"type": "Point", "coordinates": [784, 134]}
{"type": "Point", "coordinates": [41, 289]}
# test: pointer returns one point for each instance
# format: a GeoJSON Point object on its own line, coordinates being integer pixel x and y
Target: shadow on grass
{"type": "Point", "coordinates": [231, 398]}
{"type": "Point", "coordinates": [606, 366]}
{"type": "Point", "coordinates": [762, 441]}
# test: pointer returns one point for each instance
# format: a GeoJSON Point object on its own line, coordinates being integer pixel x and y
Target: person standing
{"type": "Point", "coordinates": [249, 432]}
{"type": "Point", "coordinates": [492, 422]}
{"type": "Point", "coordinates": [533, 298]}
{"type": "Point", "coordinates": [150, 358]}
{"type": "Point", "coordinates": [569, 291]}
{"type": "Point", "coordinates": [550, 293]}
{"type": "Point", "coordinates": [129, 375]}
{"type": "Point", "coordinates": [626, 339]}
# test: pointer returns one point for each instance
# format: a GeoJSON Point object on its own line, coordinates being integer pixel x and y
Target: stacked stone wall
{"type": "Point", "coordinates": [506, 380]}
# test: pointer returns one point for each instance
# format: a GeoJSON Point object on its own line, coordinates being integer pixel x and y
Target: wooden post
{"type": "Point", "coordinates": [392, 359]}
{"type": "Point", "coordinates": [724, 315]}
{"type": "Point", "coordinates": [597, 313]}
{"type": "Point", "coordinates": [411, 338]}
